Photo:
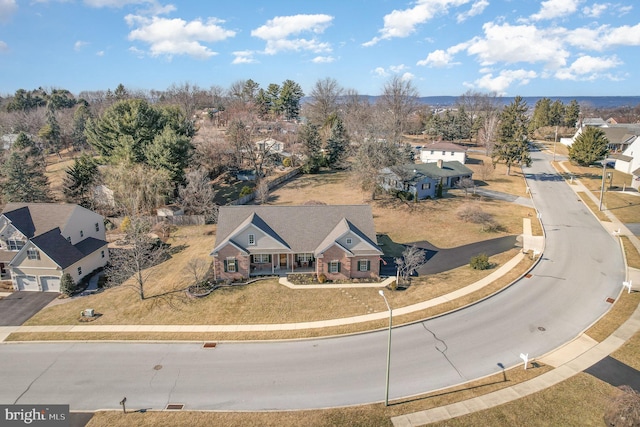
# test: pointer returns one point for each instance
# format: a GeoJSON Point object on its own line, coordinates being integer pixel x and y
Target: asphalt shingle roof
{"type": "Point", "coordinates": [301, 228]}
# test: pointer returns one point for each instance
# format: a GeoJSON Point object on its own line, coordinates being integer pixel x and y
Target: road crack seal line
{"type": "Point", "coordinates": [175, 384]}
{"type": "Point", "coordinates": [38, 377]}
{"type": "Point", "coordinates": [443, 351]}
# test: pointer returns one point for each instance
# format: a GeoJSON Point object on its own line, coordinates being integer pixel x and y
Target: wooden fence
{"type": "Point", "coordinates": [270, 184]}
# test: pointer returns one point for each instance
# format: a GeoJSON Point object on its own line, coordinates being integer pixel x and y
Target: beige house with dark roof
{"type": "Point", "coordinates": [39, 242]}
{"type": "Point", "coordinates": [338, 241]}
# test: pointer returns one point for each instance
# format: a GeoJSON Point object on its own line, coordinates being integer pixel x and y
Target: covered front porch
{"type": "Point", "coordinates": [281, 264]}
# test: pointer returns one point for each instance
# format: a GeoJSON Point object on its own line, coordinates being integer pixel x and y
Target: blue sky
{"type": "Point", "coordinates": [446, 47]}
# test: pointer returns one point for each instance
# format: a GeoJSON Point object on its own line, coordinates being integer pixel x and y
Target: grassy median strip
{"type": "Point", "coordinates": [593, 207]}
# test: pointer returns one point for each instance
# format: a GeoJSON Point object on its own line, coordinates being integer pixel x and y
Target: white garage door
{"type": "Point", "coordinates": [50, 284]}
{"type": "Point", "coordinates": [27, 283]}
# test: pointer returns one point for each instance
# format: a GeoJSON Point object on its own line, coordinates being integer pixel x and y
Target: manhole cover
{"type": "Point", "coordinates": [175, 406]}
{"type": "Point", "coordinates": [209, 345]}
{"type": "Point", "coordinates": [157, 367]}
{"type": "Point", "coordinates": [541, 328]}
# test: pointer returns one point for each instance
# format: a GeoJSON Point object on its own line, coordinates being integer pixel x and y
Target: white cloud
{"type": "Point", "coordinates": [3, 47]}
{"type": "Point", "coordinates": [407, 76]}
{"type": "Point", "coordinates": [519, 43]}
{"type": "Point", "coordinates": [100, 53]}
{"type": "Point", "coordinates": [604, 37]}
{"type": "Point", "coordinates": [380, 71]}
{"type": "Point", "coordinates": [502, 81]}
{"type": "Point", "coordinates": [7, 9]}
{"type": "Point", "coordinates": [402, 23]}
{"type": "Point", "coordinates": [244, 57]}
{"type": "Point", "coordinates": [176, 36]}
{"type": "Point", "coordinates": [476, 9]}
{"type": "Point", "coordinates": [438, 58]}
{"type": "Point", "coordinates": [277, 32]}
{"type": "Point", "coordinates": [396, 69]}
{"type": "Point", "coordinates": [77, 46]}
{"type": "Point", "coordinates": [323, 59]}
{"type": "Point", "coordinates": [588, 68]}
{"type": "Point", "coordinates": [595, 10]}
{"type": "Point", "coordinates": [551, 9]}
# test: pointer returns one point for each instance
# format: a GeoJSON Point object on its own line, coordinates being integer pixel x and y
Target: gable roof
{"type": "Point", "coordinates": [444, 146]}
{"type": "Point", "coordinates": [61, 251]}
{"type": "Point", "coordinates": [416, 172]}
{"type": "Point", "coordinates": [33, 219]}
{"type": "Point", "coordinates": [300, 229]}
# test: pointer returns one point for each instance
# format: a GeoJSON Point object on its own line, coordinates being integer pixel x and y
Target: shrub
{"type": "Point", "coordinates": [67, 285]}
{"type": "Point", "coordinates": [125, 224]}
{"type": "Point", "coordinates": [286, 162]}
{"type": "Point", "coordinates": [245, 191]}
{"type": "Point", "coordinates": [480, 262]}
{"type": "Point", "coordinates": [322, 278]}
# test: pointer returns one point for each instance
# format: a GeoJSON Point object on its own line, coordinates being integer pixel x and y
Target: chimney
{"type": "Point", "coordinates": [440, 163]}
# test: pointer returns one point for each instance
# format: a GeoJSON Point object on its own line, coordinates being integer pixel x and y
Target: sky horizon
{"type": "Point", "coordinates": [445, 47]}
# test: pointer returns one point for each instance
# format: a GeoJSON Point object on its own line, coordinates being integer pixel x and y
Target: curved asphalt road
{"type": "Point", "coordinates": [582, 267]}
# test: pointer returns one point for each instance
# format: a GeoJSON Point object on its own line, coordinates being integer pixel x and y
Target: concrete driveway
{"type": "Point", "coordinates": [18, 307]}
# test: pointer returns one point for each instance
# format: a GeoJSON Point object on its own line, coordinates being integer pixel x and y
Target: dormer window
{"type": "Point", "coordinates": [33, 254]}
{"type": "Point", "coordinates": [252, 239]}
{"type": "Point", "coordinates": [349, 241]}
{"type": "Point", "coordinates": [15, 245]}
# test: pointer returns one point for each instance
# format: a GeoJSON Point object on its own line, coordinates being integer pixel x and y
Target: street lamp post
{"type": "Point", "coordinates": [604, 171]}
{"type": "Point", "coordinates": [386, 394]}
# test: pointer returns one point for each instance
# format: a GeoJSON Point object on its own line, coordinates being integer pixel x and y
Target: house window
{"type": "Point", "coordinates": [261, 258]}
{"type": "Point", "coordinates": [334, 267]}
{"type": "Point", "coordinates": [303, 257]}
{"type": "Point", "coordinates": [79, 271]}
{"type": "Point", "coordinates": [97, 226]}
{"type": "Point", "coordinates": [33, 254]}
{"type": "Point", "coordinates": [452, 153]}
{"type": "Point", "coordinates": [443, 153]}
{"type": "Point", "coordinates": [15, 245]}
{"type": "Point", "coordinates": [432, 152]}
{"type": "Point", "coordinates": [252, 239]}
{"type": "Point", "coordinates": [230, 265]}
{"type": "Point", "coordinates": [426, 185]}
{"type": "Point", "coordinates": [363, 265]}
{"type": "Point", "coordinates": [101, 254]}
{"type": "Point", "coordinates": [69, 239]}
{"type": "Point", "coordinates": [81, 234]}
{"type": "Point", "coordinates": [349, 240]}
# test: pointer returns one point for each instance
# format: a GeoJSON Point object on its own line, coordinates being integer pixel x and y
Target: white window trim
{"type": "Point", "coordinates": [33, 254]}
{"type": "Point", "coordinates": [252, 239]}
{"type": "Point", "coordinates": [231, 265]}
{"type": "Point", "coordinates": [15, 245]}
{"type": "Point", "coordinates": [349, 240]}
{"type": "Point", "coordinates": [363, 263]}
{"type": "Point", "coordinates": [261, 258]}
{"type": "Point", "coordinates": [333, 266]}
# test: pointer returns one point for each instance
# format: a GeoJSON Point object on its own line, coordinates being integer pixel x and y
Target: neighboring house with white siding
{"type": "Point", "coordinates": [39, 242]}
{"type": "Point", "coordinates": [445, 151]}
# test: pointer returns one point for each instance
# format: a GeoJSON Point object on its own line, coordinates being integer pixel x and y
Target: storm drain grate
{"type": "Point", "coordinates": [175, 406]}
{"type": "Point", "coordinates": [529, 276]}
{"type": "Point", "coordinates": [209, 345]}
{"type": "Point", "coordinates": [610, 300]}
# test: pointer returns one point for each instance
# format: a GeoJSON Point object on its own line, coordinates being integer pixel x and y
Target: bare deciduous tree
{"type": "Point", "coordinates": [399, 99]}
{"type": "Point", "coordinates": [197, 269]}
{"type": "Point", "coordinates": [262, 193]}
{"type": "Point", "coordinates": [325, 97]}
{"type": "Point", "coordinates": [197, 197]}
{"type": "Point", "coordinates": [412, 259]}
{"type": "Point", "coordinates": [130, 264]}
{"type": "Point", "coordinates": [465, 184]}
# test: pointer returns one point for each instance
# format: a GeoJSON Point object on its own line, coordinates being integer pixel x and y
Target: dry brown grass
{"type": "Point", "coordinates": [498, 180]}
{"type": "Point", "coordinates": [631, 253]}
{"type": "Point", "coordinates": [593, 207]}
{"type": "Point", "coordinates": [623, 308]}
{"type": "Point", "coordinates": [266, 302]}
{"type": "Point", "coordinates": [432, 220]}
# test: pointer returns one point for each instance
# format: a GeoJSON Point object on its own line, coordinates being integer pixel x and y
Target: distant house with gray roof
{"type": "Point", "coordinates": [338, 241]}
{"type": "Point", "coordinates": [422, 180]}
{"type": "Point", "coordinates": [39, 242]}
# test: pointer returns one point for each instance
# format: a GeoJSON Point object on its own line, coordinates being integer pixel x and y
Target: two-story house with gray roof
{"type": "Point", "coordinates": [338, 241]}
{"type": "Point", "coordinates": [39, 242]}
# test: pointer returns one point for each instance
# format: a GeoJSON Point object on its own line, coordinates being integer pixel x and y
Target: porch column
{"type": "Point", "coordinates": [273, 266]}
